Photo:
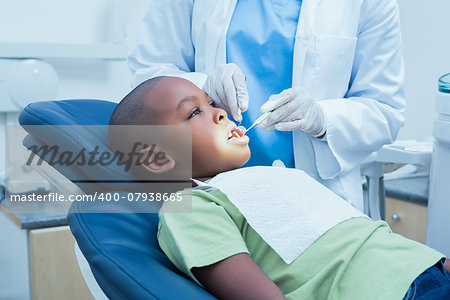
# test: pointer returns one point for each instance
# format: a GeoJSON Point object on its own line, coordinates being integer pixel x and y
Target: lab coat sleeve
{"type": "Point", "coordinates": [371, 114]}
{"type": "Point", "coordinates": [164, 46]}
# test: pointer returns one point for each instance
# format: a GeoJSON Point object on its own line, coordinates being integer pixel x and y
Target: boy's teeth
{"type": "Point", "coordinates": [235, 133]}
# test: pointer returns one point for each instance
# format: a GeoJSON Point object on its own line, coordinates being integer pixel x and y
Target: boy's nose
{"type": "Point", "coordinates": [219, 115]}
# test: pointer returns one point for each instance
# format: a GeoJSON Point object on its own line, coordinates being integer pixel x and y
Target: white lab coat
{"type": "Point", "coordinates": [347, 54]}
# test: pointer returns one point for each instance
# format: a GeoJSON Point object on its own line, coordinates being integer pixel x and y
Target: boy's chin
{"type": "Point", "coordinates": [240, 160]}
{"type": "Point", "coordinates": [221, 169]}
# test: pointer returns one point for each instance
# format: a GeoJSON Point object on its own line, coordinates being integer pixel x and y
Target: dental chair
{"type": "Point", "coordinates": [121, 247]}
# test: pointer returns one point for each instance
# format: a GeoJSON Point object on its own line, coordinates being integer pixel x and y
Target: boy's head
{"type": "Point", "coordinates": [176, 101]}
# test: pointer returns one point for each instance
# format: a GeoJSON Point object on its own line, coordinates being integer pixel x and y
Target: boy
{"type": "Point", "coordinates": [214, 245]}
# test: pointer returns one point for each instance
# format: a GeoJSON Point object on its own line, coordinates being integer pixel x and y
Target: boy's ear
{"type": "Point", "coordinates": [155, 160]}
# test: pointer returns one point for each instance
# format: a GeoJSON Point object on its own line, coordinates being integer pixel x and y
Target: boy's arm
{"type": "Point", "coordinates": [237, 277]}
{"type": "Point", "coordinates": [447, 265]}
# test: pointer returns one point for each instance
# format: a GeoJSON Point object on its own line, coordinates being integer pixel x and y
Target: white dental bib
{"type": "Point", "coordinates": [286, 207]}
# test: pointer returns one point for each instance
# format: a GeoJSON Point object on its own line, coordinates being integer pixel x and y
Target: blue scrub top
{"type": "Point", "coordinates": [260, 40]}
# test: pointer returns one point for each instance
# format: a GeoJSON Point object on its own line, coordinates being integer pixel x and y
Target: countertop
{"type": "Point", "coordinates": [412, 189]}
{"type": "Point", "coordinates": [30, 220]}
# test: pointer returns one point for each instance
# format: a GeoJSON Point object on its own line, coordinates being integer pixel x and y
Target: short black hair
{"type": "Point", "coordinates": [129, 111]}
{"type": "Point", "coordinates": [131, 107]}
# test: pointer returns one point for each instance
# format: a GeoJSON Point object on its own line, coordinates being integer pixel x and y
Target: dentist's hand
{"type": "Point", "coordinates": [227, 88]}
{"type": "Point", "coordinates": [294, 109]}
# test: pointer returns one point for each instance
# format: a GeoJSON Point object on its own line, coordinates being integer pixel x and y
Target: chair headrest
{"type": "Point", "coordinates": [76, 138]}
{"type": "Point", "coordinates": [68, 112]}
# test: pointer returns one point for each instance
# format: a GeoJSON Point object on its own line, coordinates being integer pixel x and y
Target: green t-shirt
{"type": "Point", "coordinates": [356, 259]}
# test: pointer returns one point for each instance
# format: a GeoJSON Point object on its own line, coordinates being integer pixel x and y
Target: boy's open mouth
{"type": "Point", "coordinates": [236, 135]}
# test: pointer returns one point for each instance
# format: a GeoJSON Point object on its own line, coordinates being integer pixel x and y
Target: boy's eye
{"type": "Point", "coordinates": [194, 112]}
{"type": "Point", "coordinates": [197, 111]}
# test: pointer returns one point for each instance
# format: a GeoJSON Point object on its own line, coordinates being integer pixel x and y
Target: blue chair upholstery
{"type": "Point", "coordinates": [121, 248]}
{"type": "Point", "coordinates": [124, 255]}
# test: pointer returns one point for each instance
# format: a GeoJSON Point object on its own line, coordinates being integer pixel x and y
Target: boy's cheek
{"type": "Point", "coordinates": [200, 135]}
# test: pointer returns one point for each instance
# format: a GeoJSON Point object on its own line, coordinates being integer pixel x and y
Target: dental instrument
{"type": "Point", "coordinates": [259, 120]}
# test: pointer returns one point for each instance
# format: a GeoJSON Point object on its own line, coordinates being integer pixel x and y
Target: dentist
{"type": "Point", "coordinates": [331, 71]}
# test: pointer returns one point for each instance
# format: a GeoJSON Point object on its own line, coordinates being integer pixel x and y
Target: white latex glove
{"type": "Point", "coordinates": [227, 88]}
{"type": "Point", "coordinates": [294, 109]}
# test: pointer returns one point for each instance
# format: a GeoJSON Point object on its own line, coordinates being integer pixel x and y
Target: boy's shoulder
{"type": "Point", "coordinates": [200, 201]}
{"type": "Point", "coordinates": [195, 197]}
{"type": "Point", "coordinates": [205, 193]}
{"type": "Point", "coordinates": [201, 196]}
